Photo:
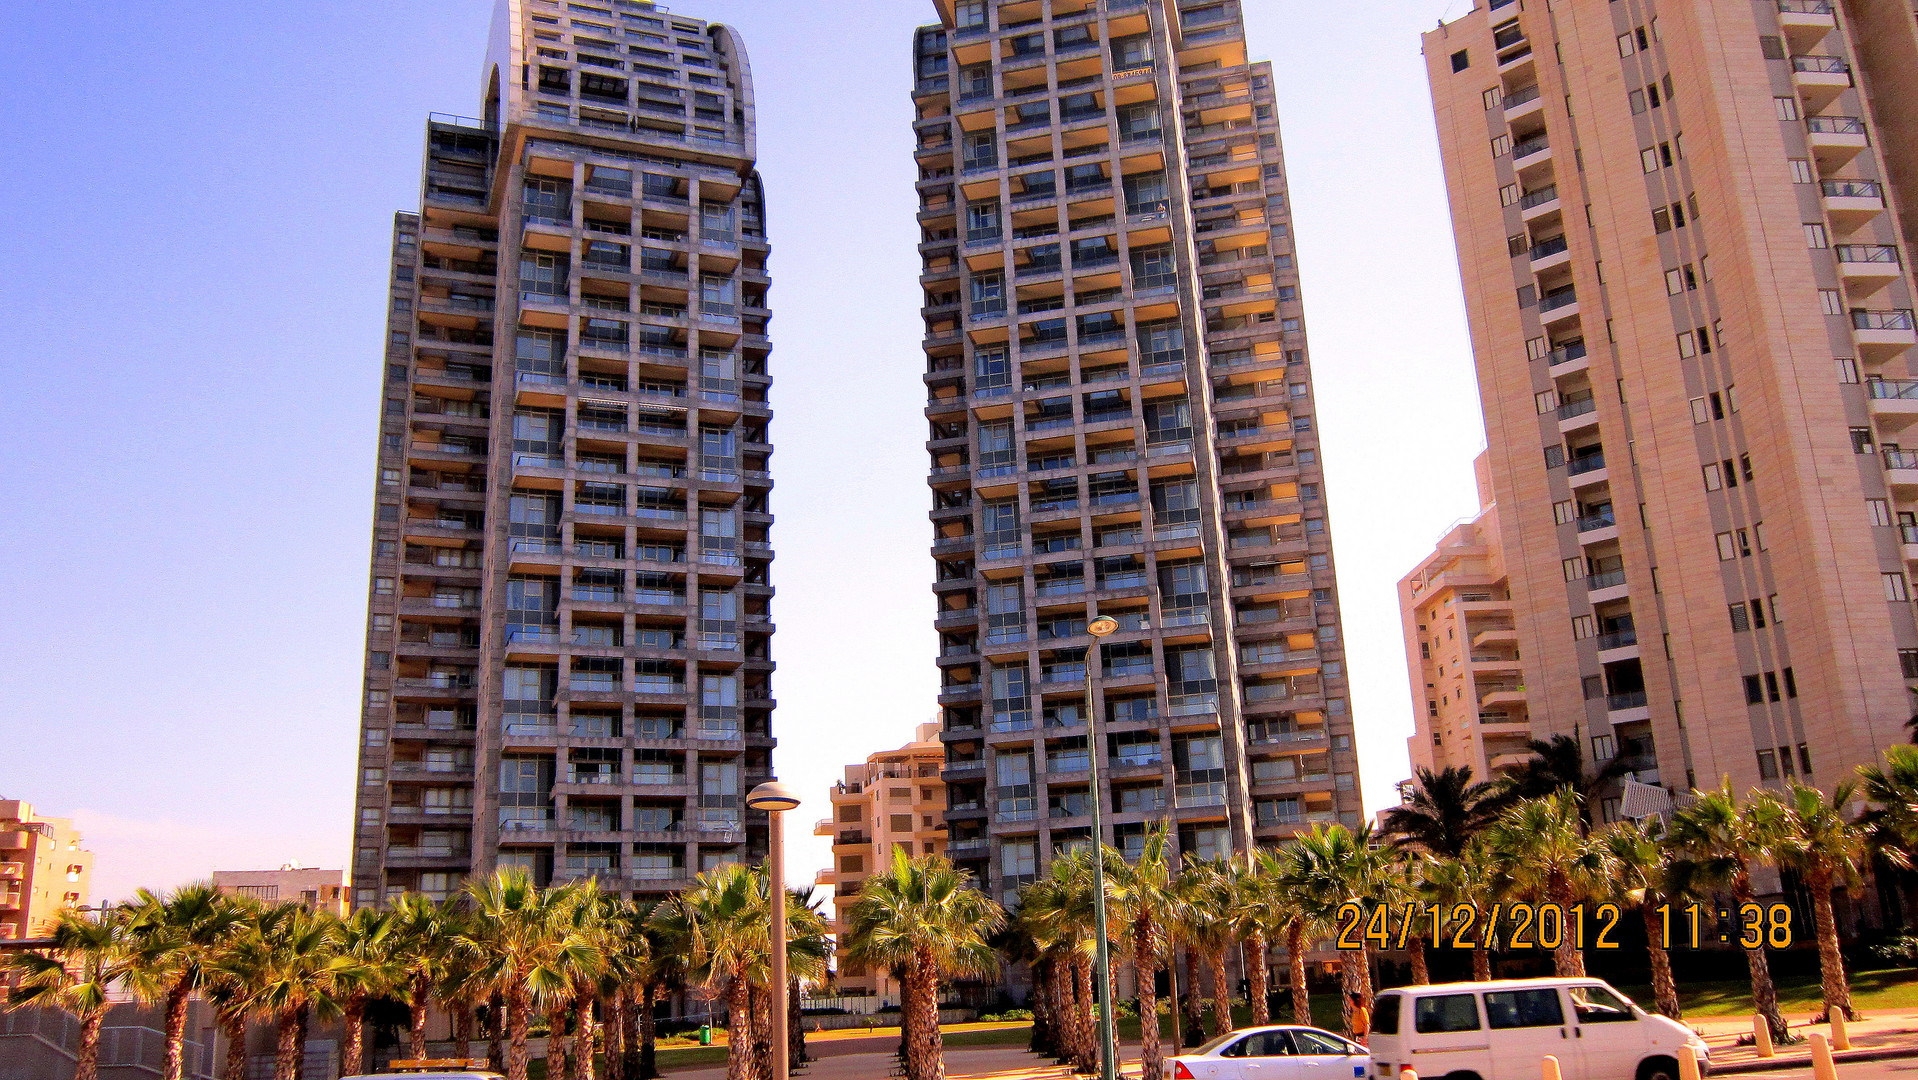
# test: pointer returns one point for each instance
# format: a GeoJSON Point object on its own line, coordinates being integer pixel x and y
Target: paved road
{"type": "Point", "coordinates": [1892, 1069]}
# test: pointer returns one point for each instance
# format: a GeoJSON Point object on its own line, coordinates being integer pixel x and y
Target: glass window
{"type": "Point", "coordinates": [1445, 1012]}
{"type": "Point", "coordinates": [1598, 1005]}
{"type": "Point", "coordinates": [1313, 1044]}
{"type": "Point", "coordinates": [1523, 1008]}
{"type": "Point", "coordinates": [1385, 1014]}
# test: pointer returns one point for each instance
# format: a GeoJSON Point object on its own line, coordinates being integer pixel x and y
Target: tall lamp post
{"type": "Point", "coordinates": [776, 798]}
{"type": "Point", "coordinates": [1096, 630]}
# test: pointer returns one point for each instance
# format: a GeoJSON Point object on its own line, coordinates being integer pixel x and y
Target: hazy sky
{"type": "Point", "coordinates": [197, 205]}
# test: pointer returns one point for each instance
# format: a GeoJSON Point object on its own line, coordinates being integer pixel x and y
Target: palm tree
{"type": "Point", "coordinates": [1401, 890]}
{"type": "Point", "coordinates": [427, 933]}
{"type": "Point", "coordinates": [1144, 903]}
{"type": "Point", "coordinates": [1340, 866]}
{"type": "Point", "coordinates": [1443, 812]}
{"type": "Point", "coordinates": [283, 959]}
{"type": "Point", "coordinates": [1542, 849]}
{"type": "Point", "coordinates": [1720, 841]}
{"type": "Point", "coordinates": [527, 945]}
{"type": "Point", "coordinates": [1821, 843]}
{"type": "Point", "coordinates": [366, 965]}
{"type": "Point", "coordinates": [925, 917]}
{"type": "Point", "coordinates": [1307, 913]}
{"type": "Point", "coordinates": [1471, 881]}
{"type": "Point", "coordinates": [1893, 820]}
{"type": "Point", "coordinates": [176, 937]}
{"type": "Point", "coordinates": [1210, 892]}
{"type": "Point", "coordinates": [1557, 764]}
{"type": "Point", "coordinates": [82, 961]}
{"type": "Point", "coordinates": [1641, 874]}
{"type": "Point", "coordinates": [1056, 913]}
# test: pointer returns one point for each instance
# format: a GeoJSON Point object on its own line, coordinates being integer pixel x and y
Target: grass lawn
{"type": "Point", "coordinates": [1894, 988]}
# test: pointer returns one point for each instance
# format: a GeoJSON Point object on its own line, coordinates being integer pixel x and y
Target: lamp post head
{"type": "Point", "coordinates": [772, 796]}
{"type": "Point", "coordinates": [1102, 626]}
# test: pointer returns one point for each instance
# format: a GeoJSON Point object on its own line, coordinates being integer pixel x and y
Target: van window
{"type": "Point", "coordinates": [1523, 1008]}
{"type": "Point", "coordinates": [1445, 1012]}
{"type": "Point", "coordinates": [1385, 1014]}
{"type": "Point", "coordinates": [1597, 1005]}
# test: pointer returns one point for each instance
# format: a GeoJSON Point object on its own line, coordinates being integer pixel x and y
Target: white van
{"type": "Point", "coordinates": [1500, 1030]}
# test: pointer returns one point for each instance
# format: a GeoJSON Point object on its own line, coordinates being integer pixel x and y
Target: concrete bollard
{"type": "Point", "coordinates": [1761, 1036]}
{"type": "Point", "coordinates": [1821, 1063]}
{"type": "Point", "coordinates": [1406, 1072]}
{"type": "Point", "coordinates": [1688, 1064]}
{"type": "Point", "coordinates": [1840, 1038]}
{"type": "Point", "coordinates": [1548, 1066]}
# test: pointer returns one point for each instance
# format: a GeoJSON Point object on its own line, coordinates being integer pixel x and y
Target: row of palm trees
{"type": "Point", "coordinates": [505, 954]}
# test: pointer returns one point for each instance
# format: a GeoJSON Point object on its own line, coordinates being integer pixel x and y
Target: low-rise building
{"type": "Point", "coordinates": [895, 800]}
{"type": "Point", "coordinates": [43, 868]}
{"type": "Point", "coordinates": [328, 890]}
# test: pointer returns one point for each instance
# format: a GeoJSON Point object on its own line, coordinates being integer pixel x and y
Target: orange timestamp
{"type": "Point", "coordinates": [1519, 926]}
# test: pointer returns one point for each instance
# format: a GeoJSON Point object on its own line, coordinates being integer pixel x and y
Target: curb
{"type": "Point", "coordinates": [1774, 1064]}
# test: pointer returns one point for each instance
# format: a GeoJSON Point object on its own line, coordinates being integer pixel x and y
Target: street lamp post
{"type": "Point", "coordinates": [1097, 629]}
{"type": "Point", "coordinates": [775, 798]}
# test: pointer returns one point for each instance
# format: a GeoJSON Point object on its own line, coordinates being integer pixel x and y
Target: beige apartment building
{"type": "Point", "coordinates": [1688, 278]}
{"type": "Point", "coordinates": [316, 890]}
{"type": "Point", "coordinates": [43, 868]}
{"type": "Point", "coordinates": [896, 801]}
{"type": "Point", "coordinates": [1121, 424]}
{"type": "Point", "coordinates": [568, 648]}
{"type": "Point", "coordinates": [1461, 644]}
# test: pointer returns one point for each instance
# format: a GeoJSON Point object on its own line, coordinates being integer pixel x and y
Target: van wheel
{"type": "Point", "coordinates": [1658, 1068]}
{"type": "Point", "coordinates": [1473, 1076]}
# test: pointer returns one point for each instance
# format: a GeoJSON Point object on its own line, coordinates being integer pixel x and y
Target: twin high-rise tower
{"type": "Point", "coordinates": [1121, 424]}
{"type": "Point", "coordinates": [568, 654]}
{"type": "Point", "coordinates": [568, 648]}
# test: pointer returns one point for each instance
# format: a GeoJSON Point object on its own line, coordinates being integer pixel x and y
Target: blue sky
{"type": "Point", "coordinates": [198, 203]}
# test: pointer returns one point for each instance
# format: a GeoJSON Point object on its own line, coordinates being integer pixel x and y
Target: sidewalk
{"type": "Point", "coordinates": [1887, 1033]}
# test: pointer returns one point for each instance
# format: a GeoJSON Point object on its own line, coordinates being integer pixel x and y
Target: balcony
{"type": "Point", "coordinates": [1594, 528]}
{"type": "Point", "coordinates": [1627, 707]}
{"type": "Point", "coordinates": [1867, 267]}
{"type": "Point", "coordinates": [1901, 471]}
{"type": "Point", "coordinates": [1819, 79]}
{"type": "Point", "coordinates": [1606, 586]}
{"type": "Point", "coordinates": [1550, 253]}
{"type": "Point", "coordinates": [1494, 694]}
{"type": "Point", "coordinates": [1567, 359]}
{"type": "Point", "coordinates": [1851, 203]}
{"type": "Point", "coordinates": [1531, 153]}
{"type": "Point", "coordinates": [1573, 415]}
{"type": "Point", "coordinates": [1835, 140]}
{"type": "Point", "coordinates": [1522, 103]}
{"type": "Point", "coordinates": [1882, 333]}
{"type": "Point", "coordinates": [1894, 402]}
{"type": "Point", "coordinates": [1558, 305]}
{"type": "Point", "coordinates": [1618, 645]}
{"type": "Point", "coordinates": [1587, 470]}
{"type": "Point", "coordinates": [1805, 22]}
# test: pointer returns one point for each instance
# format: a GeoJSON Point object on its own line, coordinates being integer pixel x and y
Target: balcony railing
{"type": "Point", "coordinates": [1565, 354]}
{"type": "Point", "coordinates": [1805, 7]}
{"type": "Point", "coordinates": [1821, 65]}
{"type": "Point", "coordinates": [1617, 640]}
{"type": "Point", "coordinates": [1901, 459]}
{"type": "Point", "coordinates": [1883, 254]}
{"type": "Point", "coordinates": [1893, 389]}
{"type": "Point", "coordinates": [1548, 248]}
{"type": "Point", "coordinates": [1634, 699]}
{"type": "Point", "coordinates": [1580, 465]}
{"type": "Point", "coordinates": [1519, 97]}
{"type": "Point", "coordinates": [1601, 520]}
{"type": "Point", "coordinates": [1577, 408]}
{"type": "Point", "coordinates": [1536, 144]}
{"type": "Point", "coordinates": [1892, 319]}
{"type": "Point", "coordinates": [1558, 298]}
{"type": "Point", "coordinates": [1539, 197]}
{"type": "Point", "coordinates": [1835, 125]}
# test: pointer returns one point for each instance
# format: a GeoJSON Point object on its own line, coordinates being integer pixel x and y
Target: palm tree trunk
{"type": "Point", "coordinates": [1221, 990]}
{"type": "Point", "coordinates": [1257, 977]}
{"type": "Point", "coordinates": [496, 1033]}
{"type": "Point", "coordinates": [1421, 975]}
{"type": "Point", "coordinates": [286, 1056]}
{"type": "Point", "coordinates": [233, 1025]}
{"type": "Point", "coordinates": [582, 1034]}
{"type": "Point", "coordinates": [1295, 958]}
{"type": "Point", "coordinates": [648, 1043]}
{"type": "Point", "coordinates": [1764, 991]}
{"type": "Point", "coordinates": [86, 1065]}
{"type": "Point", "coordinates": [795, 1025]}
{"type": "Point", "coordinates": [629, 1034]}
{"type": "Point", "coordinates": [1353, 978]}
{"type": "Point", "coordinates": [463, 1021]}
{"type": "Point", "coordinates": [1086, 1059]}
{"type": "Point", "coordinates": [1038, 1001]}
{"type": "Point", "coordinates": [1664, 987]}
{"type": "Point", "coordinates": [1831, 962]}
{"type": "Point", "coordinates": [353, 1059]}
{"type": "Point", "coordinates": [614, 1035]}
{"type": "Point", "coordinates": [1145, 974]}
{"type": "Point", "coordinates": [739, 1029]}
{"type": "Point", "coordinates": [417, 1003]}
{"type": "Point", "coordinates": [762, 1031]}
{"type": "Point", "coordinates": [302, 1023]}
{"type": "Point", "coordinates": [519, 1017]}
{"type": "Point", "coordinates": [1481, 962]}
{"type": "Point", "coordinates": [176, 1001]}
{"type": "Point", "coordinates": [1194, 994]}
{"type": "Point", "coordinates": [1568, 960]}
{"type": "Point", "coordinates": [1065, 1030]}
{"type": "Point", "coordinates": [932, 1050]}
{"type": "Point", "coordinates": [556, 1040]}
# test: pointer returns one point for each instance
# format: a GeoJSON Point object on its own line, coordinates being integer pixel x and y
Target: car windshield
{"type": "Point", "coordinates": [1216, 1043]}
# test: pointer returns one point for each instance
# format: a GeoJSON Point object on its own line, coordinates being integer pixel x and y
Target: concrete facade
{"type": "Point", "coordinates": [568, 648]}
{"type": "Point", "coordinates": [1685, 263]}
{"type": "Point", "coordinates": [1121, 423]}
{"type": "Point", "coordinates": [43, 868]}
{"type": "Point", "coordinates": [895, 800]}
{"type": "Point", "coordinates": [317, 890]}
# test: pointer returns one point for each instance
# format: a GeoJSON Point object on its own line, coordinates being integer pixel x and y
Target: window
{"type": "Point", "coordinates": [1801, 171]}
{"type": "Point", "coordinates": [1880, 510]}
{"type": "Point", "coordinates": [1908, 663]}
{"type": "Point", "coordinates": [1847, 370]}
{"type": "Point", "coordinates": [1740, 619]}
{"type": "Point", "coordinates": [1597, 1005]}
{"type": "Point", "coordinates": [1815, 236]}
{"type": "Point", "coordinates": [1767, 765]}
{"type": "Point", "coordinates": [1787, 108]}
{"type": "Point", "coordinates": [1861, 441]}
{"type": "Point", "coordinates": [1831, 302]}
{"type": "Point", "coordinates": [1896, 588]}
{"type": "Point", "coordinates": [1445, 1012]}
{"type": "Point", "coordinates": [1714, 476]}
{"type": "Point", "coordinates": [1754, 690]}
{"type": "Point", "coordinates": [1523, 1008]}
{"type": "Point", "coordinates": [1461, 60]}
{"type": "Point", "coordinates": [1680, 279]}
{"type": "Point", "coordinates": [1501, 146]}
{"type": "Point", "coordinates": [1583, 627]}
{"type": "Point", "coordinates": [1604, 748]}
{"type": "Point", "coordinates": [1727, 548]}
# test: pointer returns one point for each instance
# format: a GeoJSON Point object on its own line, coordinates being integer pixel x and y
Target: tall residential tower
{"type": "Point", "coordinates": [568, 657]}
{"type": "Point", "coordinates": [1121, 418]}
{"type": "Point", "coordinates": [1688, 280]}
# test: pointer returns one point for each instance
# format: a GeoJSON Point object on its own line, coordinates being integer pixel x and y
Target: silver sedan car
{"type": "Point", "coordinates": [1281, 1052]}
